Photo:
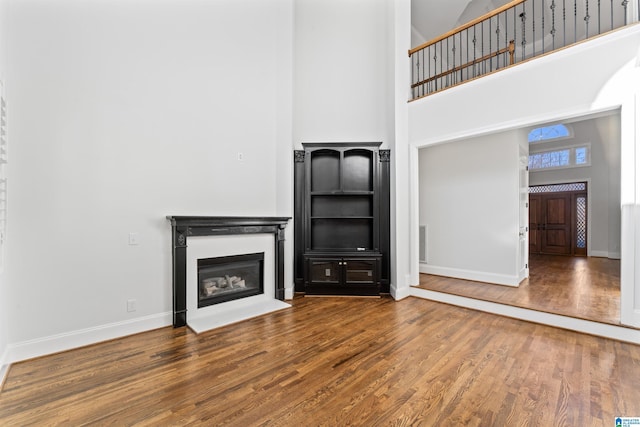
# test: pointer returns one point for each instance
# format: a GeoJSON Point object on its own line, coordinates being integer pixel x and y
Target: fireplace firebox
{"type": "Point", "coordinates": [228, 278]}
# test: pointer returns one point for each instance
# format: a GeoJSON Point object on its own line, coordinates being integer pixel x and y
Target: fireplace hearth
{"type": "Point", "coordinates": [228, 278]}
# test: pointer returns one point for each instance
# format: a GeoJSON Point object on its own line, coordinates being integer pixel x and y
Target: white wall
{"type": "Point", "coordinates": [603, 176]}
{"type": "Point", "coordinates": [469, 205]}
{"type": "Point", "coordinates": [342, 87]}
{"type": "Point", "coordinates": [124, 112]}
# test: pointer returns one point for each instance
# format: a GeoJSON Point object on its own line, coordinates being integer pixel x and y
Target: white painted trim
{"type": "Point", "coordinates": [619, 333]}
{"type": "Point", "coordinates": [414, 216]}
{"type": "Point", "coordinates": [288, 293]}
{"type": "Point", "coordinates": [80, 338]}
{"type": "Point", "coordinates": [605, 254]}
{"type": "Point", "coordinates": [629, 199]}
{"type": "Point", "coordinates": [399, 293]}
{"type": "Point", "coordinates": [4, 366]}
{"type": "Point", "coordinates": [477, 276]}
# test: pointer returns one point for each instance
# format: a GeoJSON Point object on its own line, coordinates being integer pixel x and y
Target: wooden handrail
{"type": "Point", "coordinates": [469, 24]}
{"type": "Point", "coordinates": [509, 49]}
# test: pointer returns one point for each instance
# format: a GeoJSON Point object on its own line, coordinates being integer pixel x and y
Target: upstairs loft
{"type": "Point", "coordinates": [512, 34]}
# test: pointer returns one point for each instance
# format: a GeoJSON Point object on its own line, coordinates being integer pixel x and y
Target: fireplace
{"type": "Point", "coordinates": [228, 278]}
{"type": "Point", "coordinates": [183, 228]}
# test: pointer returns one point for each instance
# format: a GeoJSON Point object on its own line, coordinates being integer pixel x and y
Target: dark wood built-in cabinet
{"type": "Point", "coordinates": [342, 219]}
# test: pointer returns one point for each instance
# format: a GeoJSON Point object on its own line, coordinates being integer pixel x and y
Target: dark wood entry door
{"type": "Point", "coordinates": [535, 223]}
{"type": "Point", "coordinates": [550, 223]}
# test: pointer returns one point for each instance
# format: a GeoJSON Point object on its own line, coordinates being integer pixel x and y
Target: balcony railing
{"type": "Point", "coordinates": [515, 32]}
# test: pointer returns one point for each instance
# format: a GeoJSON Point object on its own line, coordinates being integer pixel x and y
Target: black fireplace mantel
{"type": "Point", "coordinates": [184, 226]}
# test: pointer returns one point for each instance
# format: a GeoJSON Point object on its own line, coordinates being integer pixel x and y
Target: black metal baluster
{"type": "Point", "coordinates": [515, 27]}
{"type": "Point", "coordinates": [423, 69]}
{"type": "Point", "coordinates": [460, 37]}
{"type": "Point", "coordinates": [523, 18]}
{"type": "Point", "coordinates": [413, 80]}
{"type": "Point", "coordinates": [474, 50]}
{"type": "Point", "coordinates": [575, 21]}
{"type": "Point", "coordinates": [599, 13]}
{"type": "Point", "coordinates": [506, 31]}
{"type": "Point", "coordinates": [497, 41]}
{"type": "Point", "coordinates": [448, 78]}
{"type": "Point", "coordinates": [442, 81]}
{"type": "Point", "coordinates": [429, 90]}
{"type": "Point", "coordinates": [586, 20]}
{"type": "Point", "coordinates": [542, 9]}
{"type": "Point", "coordinates": [533, 25]}
{"type": "Point", "coordinates": [564, 23]}
{"type": "Point", "coordinates": [483, 65]}
{"type": "Point", "coordinates": [467, 31]}
{"type": "Point", "coordinates": [435, 68]}
{"type": "Point", "coordinates": [454, 75]}
{"type": "Point", "coordinates": [553, 24]}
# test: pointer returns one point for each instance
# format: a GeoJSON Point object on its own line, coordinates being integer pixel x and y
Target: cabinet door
{"type": "Point", "coordinates": [360, 271]}
{"type": "Point", "coordinates": [325, 271]}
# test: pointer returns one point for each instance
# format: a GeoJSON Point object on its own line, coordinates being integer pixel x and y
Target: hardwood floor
{"type": "Point", "coordinates": [336, 362]}
{"type": "Point", "coordinates": [580, 287]}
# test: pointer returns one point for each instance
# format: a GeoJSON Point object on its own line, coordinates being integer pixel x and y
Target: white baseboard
{"type": "Point", "coordinates": [478, 276]}
{"type": "Point", "coordinates": [83, 337]}
{"type": "Point", "coordinates": [399, 293]}
{"type": "Point", "coordinates": [605, 254]}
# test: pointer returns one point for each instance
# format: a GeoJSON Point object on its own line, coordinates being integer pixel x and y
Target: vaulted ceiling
{"type": "Point", "coordinates": [431, 18]}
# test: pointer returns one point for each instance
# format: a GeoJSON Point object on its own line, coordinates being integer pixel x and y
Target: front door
{"type": "Point", "coordinates": [556, 230]}
{"type": "Point", "coordinates": [557, 219]}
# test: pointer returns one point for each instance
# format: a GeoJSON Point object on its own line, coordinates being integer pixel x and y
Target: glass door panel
{"type": "Point", "coordinates": [359, 271]}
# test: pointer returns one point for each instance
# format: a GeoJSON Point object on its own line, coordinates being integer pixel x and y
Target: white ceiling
{"type": "Point", "coordinates": [431, 18]}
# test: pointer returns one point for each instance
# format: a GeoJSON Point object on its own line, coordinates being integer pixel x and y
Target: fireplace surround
{"type": "Point", "coordinates": [182, 227]}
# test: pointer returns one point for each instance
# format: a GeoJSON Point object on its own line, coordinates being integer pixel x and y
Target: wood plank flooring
{"type": "Point", "coordinates": [580, 287]}
{"type": "Point", "coordinates": [336, 362]}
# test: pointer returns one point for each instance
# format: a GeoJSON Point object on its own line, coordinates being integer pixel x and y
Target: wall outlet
{"type": "Point", "coordinates": [240, 156]}
{"type": "Point", "coordinates": [134, 238]}
{"type": "Point", "coordinates": [131, 305]}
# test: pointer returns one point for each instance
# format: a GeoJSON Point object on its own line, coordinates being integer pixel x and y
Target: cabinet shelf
{"type": "Point", "coordinates": [341, 193]}
{"type": "Point", "coordinates": [341, 217]}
